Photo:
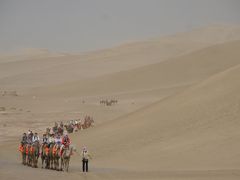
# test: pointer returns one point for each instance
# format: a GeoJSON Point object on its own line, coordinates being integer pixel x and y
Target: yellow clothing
{"type": "Point", "coordinates": [86, 155]}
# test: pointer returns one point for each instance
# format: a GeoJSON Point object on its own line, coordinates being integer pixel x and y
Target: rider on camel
{"type": "Point", "coordinates": [65, 142]}
{"type": "Point", "coordinates": [29, 137]}
{"type": "Point", "coordinates": [24, 138]}
{"type": "Point", "coordinates": [58, 143]}
{"type": "Point", "coordinates": [51, 140]}
{"type": "Point", "coordinates": [35, 138]}
{"type": "Point", "coordinates": [55, 128]}
{"type": "Point", "coordinates": [58, 139]}
{"type": "Point", "coordinates": [45, 139]}
{"type": "Point", "coordinates": [23, 142]}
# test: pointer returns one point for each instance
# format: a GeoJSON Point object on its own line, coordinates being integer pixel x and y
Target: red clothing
{"type": "Point", "coordinates": [66, 141]}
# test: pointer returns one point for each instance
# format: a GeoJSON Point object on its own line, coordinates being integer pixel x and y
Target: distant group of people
{"type": "Point", "coordinates": [108, 102]}
{"type": "Point", "coordinates": [54, 145]}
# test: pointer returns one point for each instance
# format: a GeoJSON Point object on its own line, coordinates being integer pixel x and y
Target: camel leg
{"type": "Point", "coordinates": [23, 159]}
{"type": "Point", "coordinates": [58, 164]}
{"type": "Point", "coordinates": [67, 164]}
{"type": "Point", "coordinates": [61, 165]}
{"type": "Point", "coordinates": [51, 163]}
{"type": "Point", "coordinates": [64, 164]}
{"type": "Point", "coordinates": [42, 160]}
{"type": "Point", "coordinates": [37, 161]}
{"type": "Point", "coordinates": [28, 160]}
{"type": "Point", "coordinates": [33, 161]}
{"type": "Point", "coordinates": [54, 163]}
{"type": "Point", "coordinates": [33, 158]}
{"type": "Point", "coordinates": [46, 162]}
{"type": "Point", "coordinates": [53, 160]}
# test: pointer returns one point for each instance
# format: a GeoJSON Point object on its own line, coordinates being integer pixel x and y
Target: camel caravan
{"type": "Point", "coordinates": [78, 124]}
{"type": "Point", "coordinates": [108, 102]}
{"type": "Point", "coordinates": [54, 148]}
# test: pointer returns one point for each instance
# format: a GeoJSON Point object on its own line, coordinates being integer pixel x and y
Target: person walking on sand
{"type": "Point", "coordinates": [85, 157]}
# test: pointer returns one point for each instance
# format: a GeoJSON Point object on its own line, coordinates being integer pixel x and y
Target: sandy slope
{"type": "Point", "coordinates": [176, 118]}
{"type": "Point", "coordinates": [199, 127]}
{"type": "Point", "coordinates": [133, 88]}
{"type": "Point", "coordinates": [183, 70]}
{"type": "Point", "coordinates": [41, 68]}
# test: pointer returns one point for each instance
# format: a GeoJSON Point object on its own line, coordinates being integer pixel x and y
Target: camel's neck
{"type": "Point", "coordinates": [68, 153]}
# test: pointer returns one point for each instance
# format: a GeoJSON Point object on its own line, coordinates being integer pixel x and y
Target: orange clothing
{"type": "Point", "coordinates": [20, 148]}
{"type": "Point", "coordinates": [47, 150]}
{"type": "Point", "coordinates": [31, 149]}
{"type": "Point", "coordinates": [54, 150]}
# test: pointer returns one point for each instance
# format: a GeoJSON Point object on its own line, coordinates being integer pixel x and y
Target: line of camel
{"type": "Point", "coordinates": [52, 155]}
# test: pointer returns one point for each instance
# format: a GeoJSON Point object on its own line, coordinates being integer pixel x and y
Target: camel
{"type": "Point", "coordinates": [60, 130]}
{"type": "Point", "coordinates": [79, 124]}
{"type": "Point", "coordinates": [48, 132]}
{"type": "Point", "coordinates": [22, 149]}
{"type": "Point", "coordinates": [69, 128]}
{"type": "Point", "coordinates": [65, 158]}
{"type": "Point", "coordinates": [108, 102]}
{"type": "Point", "coordinates": [50, 156]}
{"type": "Point", "coordinates": [45, 155]}
{"type": "Point", "coordinates": [34, 153]}
{"type": "Point", "coordinates": [88, 122]}
{"type": "Point", "coordinates": [28, 154]}
{"type": "Point", "coordinates": [56, 156]}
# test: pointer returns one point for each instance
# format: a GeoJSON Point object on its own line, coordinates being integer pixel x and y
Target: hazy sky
{"type": "Point", "coordinates": [83, 25]}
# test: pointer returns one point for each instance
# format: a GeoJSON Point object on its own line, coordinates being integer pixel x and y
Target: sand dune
{"type": "Point", "coordinates": [199, 127]}
{"type": "Point", "coordinates": [177, 117]}
{"type": "Point", "coordinates": [181, 71]}
{"type": "Point", "coordinates": [44, 70]}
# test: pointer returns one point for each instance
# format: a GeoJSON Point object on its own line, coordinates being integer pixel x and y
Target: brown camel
{"type": "Point", "coordinates": [45, 156]}
{"type": "Point", "coordinates": [22, 149]}
{"type": "Point", "coordinates": [56, 156]}
{"type": "Point", "coordinates": [34, 153]}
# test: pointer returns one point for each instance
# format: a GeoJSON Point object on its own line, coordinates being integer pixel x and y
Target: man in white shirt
{"type": "Point", "coordinates": [35, 138]}
{"type": "Point", "coordinates": [51, 140]}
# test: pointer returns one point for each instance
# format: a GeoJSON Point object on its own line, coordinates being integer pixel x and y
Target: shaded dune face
{"type": "Point", "coordinates": [180, 71]}
{"type": "Point", "coordinates": [198, 126]}
{"type": "Point", "coordinates": [177, 114]}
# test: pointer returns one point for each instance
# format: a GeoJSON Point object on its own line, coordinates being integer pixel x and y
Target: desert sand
{"type": "Point", "coordinates": [177, 115]}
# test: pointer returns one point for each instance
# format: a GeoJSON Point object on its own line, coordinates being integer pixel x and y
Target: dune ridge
{"type": "Point", "coordinates": [35, 71]}
{"type": "Point", "coordinates": [180, 71]}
